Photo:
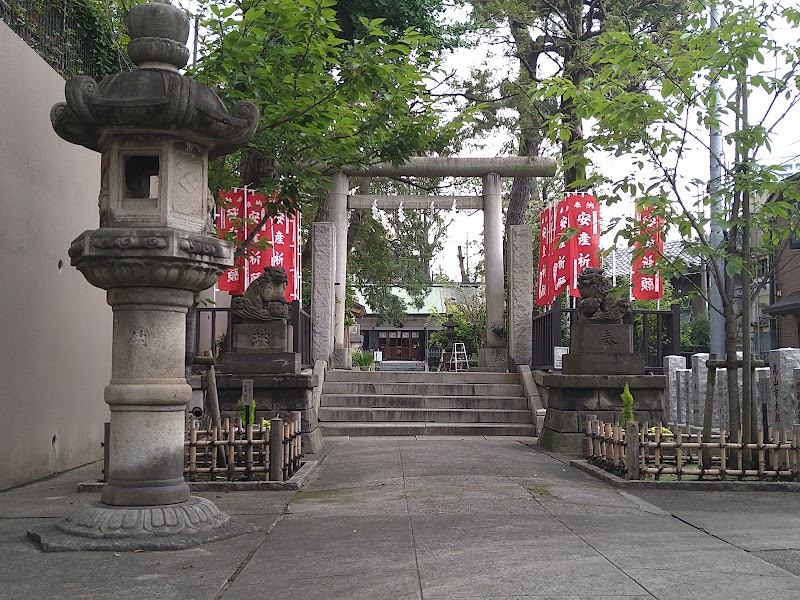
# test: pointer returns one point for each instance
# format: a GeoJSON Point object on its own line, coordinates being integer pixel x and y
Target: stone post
{"type": "Point", "coordinates": [797, 394]}
{"type": "Point", "coordinates": [671, 365]}
{"type": "Point", "coordinates": [699, 378]}
{"type": "Point", "coordinates": [340, 184]}
{"type": "Point", "coordinates": [763, 394]}
{"type": "Point", "coordinates": [495, 355]}
{"type": "Point", "coordinates": [784, 409]}
{"type": "Point", "coordinates": [520, 295]}
{"type": "Point", "coordinates": [683, 410]}
{"type": "Point", "coordinates": [152, 253]}
{"type": "Point", "coordinates": [323, 297]}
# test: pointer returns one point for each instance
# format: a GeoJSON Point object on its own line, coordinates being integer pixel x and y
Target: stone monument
{"type": "Point", "coordinates": [600, 342]}
{"type": "Point", "coordinates": [261, 366]}
{"type": "Point", "coordinates": [260, 335]}
{"type": "Point", "coordinates": [155, 130]}
{"type": "Point", "coordinates": [599, 364]}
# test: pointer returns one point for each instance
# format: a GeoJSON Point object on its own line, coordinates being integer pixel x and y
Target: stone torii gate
{"type": "Point", "coordinates": [329, 262]}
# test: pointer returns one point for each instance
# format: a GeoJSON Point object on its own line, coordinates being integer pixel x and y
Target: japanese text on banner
{"type": "Point", "coordinates": [646, 278]}
{"type": "Point", "coordinates": [544, 280]}
{"type": "Point", "coordinates": [281, 234]}
{"type": "Point", "coordinates": [585, 244]}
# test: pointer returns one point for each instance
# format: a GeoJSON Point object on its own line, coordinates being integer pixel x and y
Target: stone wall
{"type": "Point", "coordinates": [55, 359]}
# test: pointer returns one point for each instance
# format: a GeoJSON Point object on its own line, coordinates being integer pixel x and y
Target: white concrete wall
{"type": "Point", "coordinates": [55, 328]}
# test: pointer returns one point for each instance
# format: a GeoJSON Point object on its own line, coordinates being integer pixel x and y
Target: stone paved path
{"type": "Point", "coordinates": [435, 519]}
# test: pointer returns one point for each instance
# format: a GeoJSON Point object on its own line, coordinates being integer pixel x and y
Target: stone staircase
{"type": "Point", "coordinates": [400, 365]}
{"type": "Point", "coordinates": [362, 403]}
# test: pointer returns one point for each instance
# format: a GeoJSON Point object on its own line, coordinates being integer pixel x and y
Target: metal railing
{"type": "Point", "coordinates": [73, 36]}
{"type": "Point", "coordinates": [301, 332]}
{"type": "Point", "coordinates": [657, 334]}
{"type": "Point", "coordinates": [212, 325]}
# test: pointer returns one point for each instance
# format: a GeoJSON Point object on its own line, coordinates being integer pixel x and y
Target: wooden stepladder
{"type": "Point", "coordinates": [458, 358]}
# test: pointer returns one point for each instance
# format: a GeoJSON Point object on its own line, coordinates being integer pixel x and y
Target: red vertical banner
{"type": "Point", "coordinates": [561, 257]}
{"type": "Point", "coordinates": [283, 233]}
{"type": "Point", "coordinates": [585, 244]}
{"type": "Point", "coordinates": [544, 281]}
{"type": "Point", "coordinates": [229, 219]}
{"type": "Point", "coordinates": [646, 278]}
{"type": "Point", "coordinates": [276, 244]}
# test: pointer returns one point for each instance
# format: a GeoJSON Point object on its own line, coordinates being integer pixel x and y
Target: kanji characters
{"type": "Point", "coordinates": [282, 231]}
{"type": "Point", "coordinates": [647, 285]}
{"type": "Point", "coordinates": [584, 219]}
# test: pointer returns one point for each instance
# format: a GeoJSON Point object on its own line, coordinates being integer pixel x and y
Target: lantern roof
{"type": "Point", "coordinates": [155, 97]}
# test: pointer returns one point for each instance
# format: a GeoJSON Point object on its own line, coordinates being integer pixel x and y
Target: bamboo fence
{"type": "Point", "coordinates": [633, 453]}
{"type": "Point", "coordinates": [270, 451]}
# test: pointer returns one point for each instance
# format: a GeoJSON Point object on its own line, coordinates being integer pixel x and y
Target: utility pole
{"type": "Point", "coordinates": [717, 321]}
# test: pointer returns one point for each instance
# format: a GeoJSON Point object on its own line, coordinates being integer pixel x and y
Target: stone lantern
{"type": "Point", "coordinates": [450, 330]}
{"type": "Point", "coordinates": [155, 130]}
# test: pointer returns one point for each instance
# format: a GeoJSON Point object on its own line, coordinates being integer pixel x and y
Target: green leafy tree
{"type": "Point", "coordinates": [659, 128]}
{"type": "Point", "coordinates": [550, 38]}
{"type": "Point", "coordinates": [468, 311]}
{"type": "Point", "coordinates": [627, 405]}
{"type": "Point", "coordinates": [392, 253]}
{"type": "Point", "coordinates": [325, 100]}
{"type": "Point", "coordinates": [545, 39]}
{"type": "Point", "coordinates": [337, 84]}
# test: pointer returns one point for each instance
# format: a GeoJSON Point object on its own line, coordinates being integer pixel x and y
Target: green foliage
{"type": "Point", "coordinates": [469, 314]}
{"type": "Point", "coordinates": [393, 252]}
{"type": "Point", "coordinates": [666, 432]}
{"type": "Point", "coordinates": [627, 405]}
{"type": "Point", "coordinates": [363, 359]}
{"type": "Point", "coordinates": [702, 78]}
{"type": "Point", "coordinates": [325, 101]}
{"type": "Point", "coordinates": [696, 334]}
{"type": "Point", "coordinates": [656, 127]}
{"type": "Point", "coordinates": [76, 37]}
{"type": "Point", "coordinates": [247, 413]}
{"type": "Point", "coordinates": [397, 15]}
{"type": "Point", "coordinates": [551, 39]}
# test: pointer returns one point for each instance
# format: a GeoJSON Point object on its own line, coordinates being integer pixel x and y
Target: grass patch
{"type": "Point", "coordinates": [319, 495]}
{"type": "Point", "coordinates": [540, 490]}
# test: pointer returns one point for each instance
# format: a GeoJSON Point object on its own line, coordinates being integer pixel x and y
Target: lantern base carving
{"type": "Point", "coordinates": [99, 526]}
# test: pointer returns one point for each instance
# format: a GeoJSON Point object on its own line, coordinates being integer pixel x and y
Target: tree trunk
{"type": "Point", "coordinates": [464, 276]}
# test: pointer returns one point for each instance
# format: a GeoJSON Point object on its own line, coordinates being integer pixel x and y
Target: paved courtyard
{"type": "Point", "coordinates": [433, 519]}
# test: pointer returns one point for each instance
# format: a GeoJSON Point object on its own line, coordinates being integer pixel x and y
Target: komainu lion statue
{"type": "Point", "coordinates": [264, 300]}
{"type": "Point", "coordinates": [598, 304]}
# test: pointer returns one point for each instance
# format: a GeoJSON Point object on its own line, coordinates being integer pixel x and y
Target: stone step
{"type": "Point", "coordinates": [420, 377]}
{"type": "Point", "coordinates": [400, 365]}
{"type": "Point", "coordinates": [429, 402]}
{"type": "Point", "coordinates": [363, 387]}
{"type": "Point", "coordinates": [406, 428]}
{"type": "Point", "coordinates": [377, 415]}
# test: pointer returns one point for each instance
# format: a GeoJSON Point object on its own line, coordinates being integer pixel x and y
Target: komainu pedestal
{"type": "Point", "coordinates": [260, 332]}
{"type": "Point", "coordinates": [261, 356]}
{"type": "Point", "coordinates": [600, 363]}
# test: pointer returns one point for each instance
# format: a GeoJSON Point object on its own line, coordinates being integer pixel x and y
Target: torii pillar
{"type": "Point", "coordinates": [337, 205]}
{"type": "Point", "coordinates": [495, 354]}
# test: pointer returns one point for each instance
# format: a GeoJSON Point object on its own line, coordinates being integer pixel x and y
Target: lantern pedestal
{"type": "Point", "coordinates": [155, 130]}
